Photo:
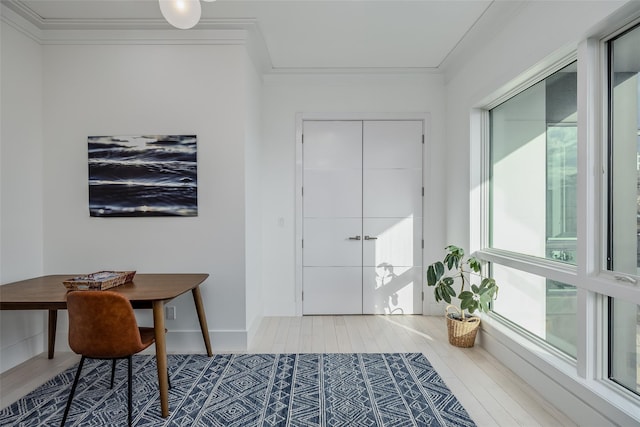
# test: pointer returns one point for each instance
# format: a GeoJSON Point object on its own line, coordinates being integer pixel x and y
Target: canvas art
{"type": "Point", "coordinates": [142, 176]}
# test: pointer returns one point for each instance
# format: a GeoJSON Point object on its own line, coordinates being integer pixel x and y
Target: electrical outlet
{"type": "Point", "coordinates": [170, 312]}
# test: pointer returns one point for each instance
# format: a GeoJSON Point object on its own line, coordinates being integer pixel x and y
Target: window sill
{"type": "Point", "coordinates": [554, 375]}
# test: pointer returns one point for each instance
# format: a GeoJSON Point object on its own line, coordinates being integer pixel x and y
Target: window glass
{"type": "Point", "coordinates": [624, 153]}
{"type": "Point", "coordinates": [623, 251]}
{"type": "Point", "coordinates": [624, 336]}
{"type": "Point", "coordinates": [543, 307]}
{"type": "Point", "coordinates": [533, 153]}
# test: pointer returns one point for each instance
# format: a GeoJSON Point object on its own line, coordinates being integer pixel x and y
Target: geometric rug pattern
{"type": "Point", "coordinates": [243, 390]}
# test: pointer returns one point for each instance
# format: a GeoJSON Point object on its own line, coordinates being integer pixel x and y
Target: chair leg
{"type": "Point", "coordinates": [73, 390]}
{"type": "Point", "coordinates": [113, 371]}
{"type": "Point", "coordinates": [130, 388]}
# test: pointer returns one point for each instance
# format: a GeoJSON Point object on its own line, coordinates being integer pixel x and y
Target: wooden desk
{"type": "Point", "coordinates": [146, 291]}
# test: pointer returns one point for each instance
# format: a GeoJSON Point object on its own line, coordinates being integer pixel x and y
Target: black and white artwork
{"type": "Point", "coordinates": [142, 176]}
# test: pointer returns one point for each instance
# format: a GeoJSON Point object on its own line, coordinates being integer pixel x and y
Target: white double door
{"type": "Point", "coordinates": [362, 217]}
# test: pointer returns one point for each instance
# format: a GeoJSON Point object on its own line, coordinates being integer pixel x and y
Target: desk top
{"type": "Point", "coordinates": [48, 292]}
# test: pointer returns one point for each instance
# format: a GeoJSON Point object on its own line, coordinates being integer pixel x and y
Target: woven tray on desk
{"type": "Point", "coordinates": [99, 281]}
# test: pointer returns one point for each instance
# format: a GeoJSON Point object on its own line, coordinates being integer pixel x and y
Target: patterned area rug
{"type": "Point", "coordinates": [241, 390]}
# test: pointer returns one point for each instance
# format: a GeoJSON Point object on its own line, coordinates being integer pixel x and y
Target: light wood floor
{"type": "Point", "coordinates": [491, 394]}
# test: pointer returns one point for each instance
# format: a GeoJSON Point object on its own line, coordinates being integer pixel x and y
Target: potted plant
{"type": "Point", "coordinates": [462, 329]}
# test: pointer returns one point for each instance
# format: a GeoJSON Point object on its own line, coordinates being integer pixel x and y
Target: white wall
{"type": "Point", "coordinates": [151, 89]}
{"type": "Point", "coordinates": [21, 250]}
{"type": "Point", "coordinates": [286, 95]}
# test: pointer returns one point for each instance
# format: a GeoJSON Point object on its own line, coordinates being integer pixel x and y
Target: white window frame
{"type": "Point", "coordinates": [593, 282]}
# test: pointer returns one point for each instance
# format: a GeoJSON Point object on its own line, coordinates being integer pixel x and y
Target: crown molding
{"type": "Point", "coordinates": [243, 32]}
{"type": "Point", "coordinates": [156, 31]}
{"type": "Point", "coordinates": [16, 20]}
{"type": "Point", "coordinates": [356, 70]}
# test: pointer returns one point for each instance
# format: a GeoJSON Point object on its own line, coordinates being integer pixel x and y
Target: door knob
{"type": "Point", "coordinates": [370, 238]}
{"type": "Point", "coordinates": [354, 238]}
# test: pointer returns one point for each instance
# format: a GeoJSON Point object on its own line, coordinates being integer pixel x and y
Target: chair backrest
{"type": "Point", "coordinates": [102, 324]}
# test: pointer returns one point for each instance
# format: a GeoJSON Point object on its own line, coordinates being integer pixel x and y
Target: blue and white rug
{"type": "Point", "coordinates": [243, 390]}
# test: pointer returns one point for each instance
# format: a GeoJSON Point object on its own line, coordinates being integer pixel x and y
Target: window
{"type": "Point", "coordinates": [624, 344]}
{"type": "Point", "coordinates": [534, 169]}
{"type": "Point", "coordinates": [542, 307]}
{"type": "Point", "coordinates": [533, 205]}
{"type": "Point", "coordinates": [623, 202]}
{"type": "Point", "coordinates": [562, 172]}
{"type": "Point", "coordinates": [624, 153]}
{"type": "Point", "coordinates": [559, 223]}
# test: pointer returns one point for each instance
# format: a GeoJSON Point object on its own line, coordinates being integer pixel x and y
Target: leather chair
{"type": "Point", "coordinates": [102, 325]}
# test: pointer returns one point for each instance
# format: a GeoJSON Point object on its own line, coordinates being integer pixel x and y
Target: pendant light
{"type": "Point", "coordinates": [183, 14]}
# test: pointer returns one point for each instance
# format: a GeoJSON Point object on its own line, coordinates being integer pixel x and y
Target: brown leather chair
{"type": "Point", "coordinates": [102, 325]}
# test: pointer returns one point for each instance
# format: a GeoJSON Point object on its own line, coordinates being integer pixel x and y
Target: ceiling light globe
{"type": "Point", "coordinates": [183, 14]}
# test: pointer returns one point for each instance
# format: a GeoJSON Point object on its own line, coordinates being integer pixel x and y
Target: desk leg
{"type": "Point", "coordinates": [53, 323]}
{"type": "Point", "coordinates": [197, 298]}
{"type": "Point", "coordinates": [161, 356]}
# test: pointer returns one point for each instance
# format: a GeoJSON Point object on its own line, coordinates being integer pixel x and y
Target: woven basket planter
{"type": "Point", "coordinates": [462, 333]}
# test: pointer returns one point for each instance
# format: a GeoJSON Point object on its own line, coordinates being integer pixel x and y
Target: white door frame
{"type": "Point", "coordinates": [300, 118]}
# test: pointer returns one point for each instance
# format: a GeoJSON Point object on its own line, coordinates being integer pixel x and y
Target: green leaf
{"type": "Point", "coordinates": [439, 267]}
{"type": "Point", "coordinates": [434, 273]}
{"type": "Point", "coordinates": [431, 276]}
{"type": "Point", "coordinates": [465, 295]}
{"type": "Point", "coordinates": [488, 282]}
{"type": "Point", "coordinates": [446, 294]}
{"type": "Point", "coordinates": [474, 264]}
{"type": "Point", "coordinates": [450, 260]}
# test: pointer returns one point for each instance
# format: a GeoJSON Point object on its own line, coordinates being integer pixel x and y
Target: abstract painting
{"type": "Point", "coordinates": [142, 176]}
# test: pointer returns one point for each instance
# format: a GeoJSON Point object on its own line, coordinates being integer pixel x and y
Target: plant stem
{"type": "Point", "coordinates": [462, 288]}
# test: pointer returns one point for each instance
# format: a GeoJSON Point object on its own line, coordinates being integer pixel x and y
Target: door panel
{"type": "Point", "coordinates": [332, 193]}
{"type": "Point", "coordinates": [398, 241]}
{"type": "Point", "coordinates": [392, 290]}
{"type": "Point", "coordinates": [332, 212]}
{"type": "Point", "coordinates": [332, 145]}
{"type": "Point", "coordinates": [327, 243]}
{"type": "Point", "coordinates": [393, 144]}
{"type": "Point", "coordinates": [392, 193]}
{"type": "Point", "coordinates": [392, 217]}
{"type": "Point", "coordinates": [362, 180]}
{"type": "Point", "coordinates": [332, 290]}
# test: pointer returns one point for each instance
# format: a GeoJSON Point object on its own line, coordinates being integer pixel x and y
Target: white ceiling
{"type": "Point", "coordinates": [307, 34]}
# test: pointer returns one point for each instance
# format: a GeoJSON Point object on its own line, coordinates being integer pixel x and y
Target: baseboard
{"type": "Point", "coordinates": [587, 402]}
{"type": "Point", "coordinates": [15, 354]}
{"type": "Point", "coordinates": [221, 341]}
{"type": "Point", "coordinates": [253, 330]}
{"type": "Point", "coordinates": [186, 341]}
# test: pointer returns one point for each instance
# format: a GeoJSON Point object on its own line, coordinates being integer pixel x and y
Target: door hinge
{"type": "Point", "coordinates": [422, 243]}
{"type": "Point", "coordinates": [302, 141]}
{"type": "Point", "coordinates": [302, 295]}
{"type": "Point", "coordinates": [302, 190]}
{"type": "Point", "coordinates": [302, 243]}
{"type": "Point", "coordinates": [422, 295]}
{"type": "Point", "coordinates": [423, 139]}
{"type": "Point", "coordinates": [422, 191]}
